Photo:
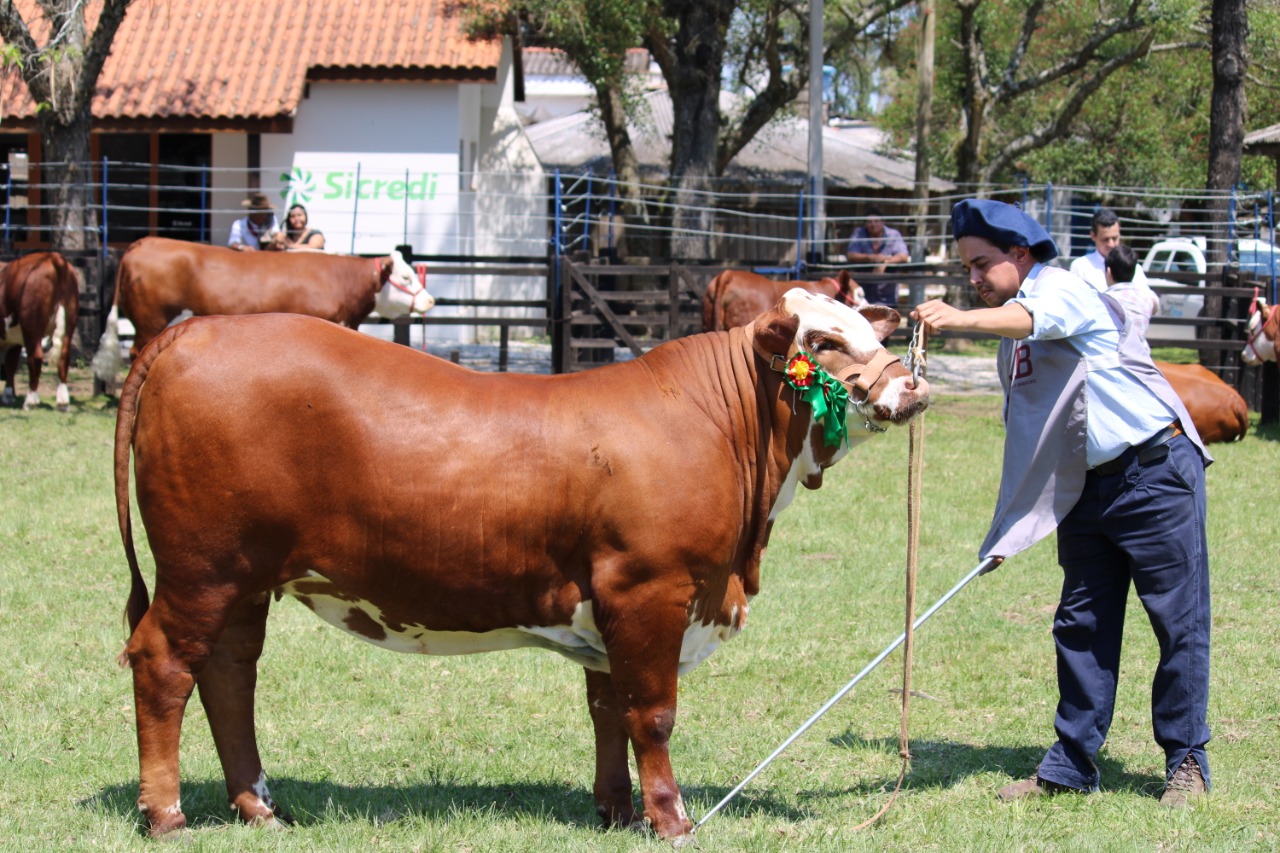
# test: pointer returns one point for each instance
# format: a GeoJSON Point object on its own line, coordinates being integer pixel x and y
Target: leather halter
{"type": "Point", "coordinates": [859, 376]}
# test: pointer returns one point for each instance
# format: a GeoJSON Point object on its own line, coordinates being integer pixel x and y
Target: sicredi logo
{"type": "Point", "coordinates": [342, 185]}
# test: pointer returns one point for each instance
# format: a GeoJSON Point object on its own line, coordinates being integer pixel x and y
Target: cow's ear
{"type": "Point", "coordinates": [883, 319]}
{"type": "Point", "coordinates": [775, 329]}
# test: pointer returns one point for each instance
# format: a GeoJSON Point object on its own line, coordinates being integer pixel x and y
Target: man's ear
{"type": "Point", "coordinates": [883, 319]}
{"type": "Point", "coordinates": [775, 329]}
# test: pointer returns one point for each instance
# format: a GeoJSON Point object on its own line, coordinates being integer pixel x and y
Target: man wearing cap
{"type": "Point", "coordinates": [255, 230]}
{"type": "Point", "coordinates": [1098, 446]}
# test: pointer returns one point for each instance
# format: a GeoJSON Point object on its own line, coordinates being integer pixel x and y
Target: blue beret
{"type": "Point", "coordinates": [1002, 224]}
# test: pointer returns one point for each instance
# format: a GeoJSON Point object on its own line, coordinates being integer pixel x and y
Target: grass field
{"type": "Point", "coordinates": [376, 751]}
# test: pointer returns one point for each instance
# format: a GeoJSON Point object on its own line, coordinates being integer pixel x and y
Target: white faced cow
{"type": "Point", "coordinates": [616, 516]}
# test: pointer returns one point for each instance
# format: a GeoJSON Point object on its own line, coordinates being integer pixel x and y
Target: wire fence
{"type": "Point", "coordinates": [373, 207]}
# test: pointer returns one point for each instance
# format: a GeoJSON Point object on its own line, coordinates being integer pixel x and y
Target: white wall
{"type": "Point", "coordinates": [463, 143]}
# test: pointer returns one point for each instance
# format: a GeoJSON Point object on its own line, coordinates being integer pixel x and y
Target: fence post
{"type": "Point", "coordinates": [103, 226]}
{"type": "Point", "coordinates": [355, 209]}
{"type": "Point", "coordinates": [799, 263]}
{"type": "Point", "coordinates": [204, 205]}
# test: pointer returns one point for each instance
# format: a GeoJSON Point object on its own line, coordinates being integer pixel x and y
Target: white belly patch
{"type": "Point", "coordinates": [579, 641]}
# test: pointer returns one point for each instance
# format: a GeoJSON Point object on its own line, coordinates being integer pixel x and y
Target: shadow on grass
{"type": "Point", "coordinates": [316, 803]}
{"type": "Point", "coordinates": [944, 764]}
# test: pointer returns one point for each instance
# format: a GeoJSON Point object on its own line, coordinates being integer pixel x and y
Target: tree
{"type": "Point", "coordinates": [689, 40]}
{"type": "Point", "coordinates": [1226, 114]}
{"type": "Point", "coordinates": [61, 75]}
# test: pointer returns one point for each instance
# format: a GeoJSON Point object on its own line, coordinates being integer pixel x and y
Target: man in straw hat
{"type": "Point", "coordinates": [1098, 446]}
{"type": "Point", "coordinates": [255, 230]}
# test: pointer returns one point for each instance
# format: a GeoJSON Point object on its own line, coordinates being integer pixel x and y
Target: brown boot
{"type": "Point", "coordinates": [1034, 787]}
{"type": "Point", "coordinates": [1187, 781]}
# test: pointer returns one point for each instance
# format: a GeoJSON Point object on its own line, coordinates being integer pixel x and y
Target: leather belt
{"type": "Point", "coordinates": [1150, 450]}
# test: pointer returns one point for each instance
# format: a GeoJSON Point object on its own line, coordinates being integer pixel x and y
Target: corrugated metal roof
{"type": "Point", "coordinates": [211, 59]}
{"type": "Point", "coordinates": [853, 158]}
{"type": "Point", "coordinates": [1267, 137]}
{"type": "Point", "coordinates": [550, 62]}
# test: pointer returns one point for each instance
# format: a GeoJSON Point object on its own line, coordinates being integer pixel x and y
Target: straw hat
{"type": "Point", "coordinates": [257, 201]}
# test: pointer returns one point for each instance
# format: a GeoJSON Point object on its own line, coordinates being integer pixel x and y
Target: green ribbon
{"type": "Point", "coordinates": [827, 397]}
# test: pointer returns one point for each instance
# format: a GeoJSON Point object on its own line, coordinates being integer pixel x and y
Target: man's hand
{"type": "Point", "coordinates": [937, 315]}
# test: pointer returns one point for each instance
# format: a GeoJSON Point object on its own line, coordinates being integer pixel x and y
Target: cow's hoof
{"type": "Point", "coordinates": [686, 841]}
{"type": "Point", "coordinates": [169, 829]}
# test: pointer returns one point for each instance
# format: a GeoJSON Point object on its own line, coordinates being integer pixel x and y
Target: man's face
{"type": "Point", "coordinates": [1106, 238]}
{"type": "Point", "coordinates": [260, 217]}
{"type": "Point", "coordinates": [993, 272]}
{"type": "Point", "coordinates": [874, 226]}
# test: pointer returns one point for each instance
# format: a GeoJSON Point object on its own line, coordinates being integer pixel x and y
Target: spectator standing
{"type": "Point", "coordinates": [1126, 283]}
{"type": "Point", "coordinates": [1104, 231]}
{"type": "Point", "coordinates": [875, 243]}
{"type": "Point", "coordinates": [255, 230]}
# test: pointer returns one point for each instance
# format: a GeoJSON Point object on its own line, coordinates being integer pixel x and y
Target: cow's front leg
{"type": "Point", "coordinates": [613, 777]}
{"type": "Point", "coordinates": [644, 638]}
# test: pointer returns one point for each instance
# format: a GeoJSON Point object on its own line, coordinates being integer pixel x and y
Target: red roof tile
{"type": "Point", "coordinates": [220, 60]}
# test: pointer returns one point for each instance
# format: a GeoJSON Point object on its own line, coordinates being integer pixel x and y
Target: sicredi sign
{"type": "Point", "coordinates": [370, 203]}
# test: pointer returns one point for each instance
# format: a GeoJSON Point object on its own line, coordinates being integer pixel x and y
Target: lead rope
{"type": "Point", "coordinates": [915, 361]}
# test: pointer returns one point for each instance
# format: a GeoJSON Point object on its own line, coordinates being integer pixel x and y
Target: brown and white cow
{"type": "Point", "coordinates": [1260, 338]}
{"type": "Point", "coordinates": [578, 540]}
{"type": "Point", "coordinates": [736, 297]}
{"type": "Point", "coordinates": [160, 279]}
{"type": "Point", "coordinates": [39, 298]}
{"type": "Point", "coordinates": [1217, 410]}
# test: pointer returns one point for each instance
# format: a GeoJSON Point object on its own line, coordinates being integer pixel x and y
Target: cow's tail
{"type": "Point", "coordinates": [107, 361]}
{"type": "Point", "coordinates": [60, 342]}
{"type": "Point", "coordinates": [126, 418]}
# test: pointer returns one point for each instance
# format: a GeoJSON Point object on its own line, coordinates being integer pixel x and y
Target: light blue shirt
{"type": "Point", "coordinates": [1120, 409]}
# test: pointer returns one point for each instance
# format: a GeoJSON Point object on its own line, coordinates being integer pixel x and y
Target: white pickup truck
{"type": "Point", "coordinates": [1187, 254]}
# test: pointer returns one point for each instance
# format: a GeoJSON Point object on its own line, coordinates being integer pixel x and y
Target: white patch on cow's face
{"type": "Point", "coordinates": [1259, 348]}
{"type": "Point", "coordinates": [822, 314]}
{"type": "Point", "coordinates": [403, 292]}
{"type": "Point", "coordinates": [579, 641]}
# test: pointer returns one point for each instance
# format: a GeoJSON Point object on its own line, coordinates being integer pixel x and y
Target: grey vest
{"type": "Point", "coordinates": [1046, 421]}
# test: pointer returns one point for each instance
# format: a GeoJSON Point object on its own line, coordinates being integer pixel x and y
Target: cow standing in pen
{"type": "Point", "coordinates": [159, 279]}
{"type": "Point", "coordinates": [565, 523]}
{"type": "Point", "coordinates": [39, 298]}
{"type": "Point", "coordinates": [736, 297]}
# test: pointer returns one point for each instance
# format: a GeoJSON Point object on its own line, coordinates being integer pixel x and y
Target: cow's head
{"type": "Point", "coordinates": [845, 344]}
{"type": "Point", "coordinates": [402, 292]}
{"type": "Point", "coordinates": [1260, 339]}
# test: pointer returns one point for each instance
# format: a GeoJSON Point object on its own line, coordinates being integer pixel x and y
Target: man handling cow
{"type": "Point", "coordinates": [1099, 446]}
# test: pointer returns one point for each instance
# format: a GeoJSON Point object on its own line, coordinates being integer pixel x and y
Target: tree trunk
{"type": "Point", "coordinates": [1226, 115]}
{"type": "Point", "coordinates": [695, 102]}
{"type": "Point", "coordinates": [67, 173]}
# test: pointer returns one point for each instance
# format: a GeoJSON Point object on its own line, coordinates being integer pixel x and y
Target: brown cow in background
{"type": "Point", "coordinates": [159, 279]}
{"type": "Point", "coordinates": [736, 297]}
{"type": "Point", "coordinates": [39, 298]}
{"type": "Point", "coordinates": [1217, 410]}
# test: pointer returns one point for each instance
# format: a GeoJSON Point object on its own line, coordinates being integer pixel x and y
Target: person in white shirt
{"type": "Point", "coordinates": [1128, 286]}
{"type": "Point", "coordinates": [1104, 230]}
{"type": "Point", "coordinates": [254, 231]}
{"type": "Point", "coordinates": [1099, 447]}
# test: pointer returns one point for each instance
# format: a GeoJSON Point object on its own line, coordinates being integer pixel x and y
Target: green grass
{"type": "Point", "coordinates": [373, 750]}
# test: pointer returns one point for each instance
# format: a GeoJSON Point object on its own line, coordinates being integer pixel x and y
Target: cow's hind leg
{"type": "Point", "coordinates": [162, 684]}
{"type": "Point", "coordinates": [10, 370]}
{"type": "Point", "coordinates": [226, 684]}
{"type": "Point", "coordinates": [613, 778]}
{"type": "Point", "coordinates": [35, 361]}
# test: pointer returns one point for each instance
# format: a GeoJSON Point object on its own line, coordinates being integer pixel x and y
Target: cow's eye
{"type": "Point", "coordinates": [824, 345]}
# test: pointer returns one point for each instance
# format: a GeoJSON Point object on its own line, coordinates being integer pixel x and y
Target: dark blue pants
{"type": "Point", "coordinates": [1145, 525]}
{"type": "Point", "coordinates": [881, 293]}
